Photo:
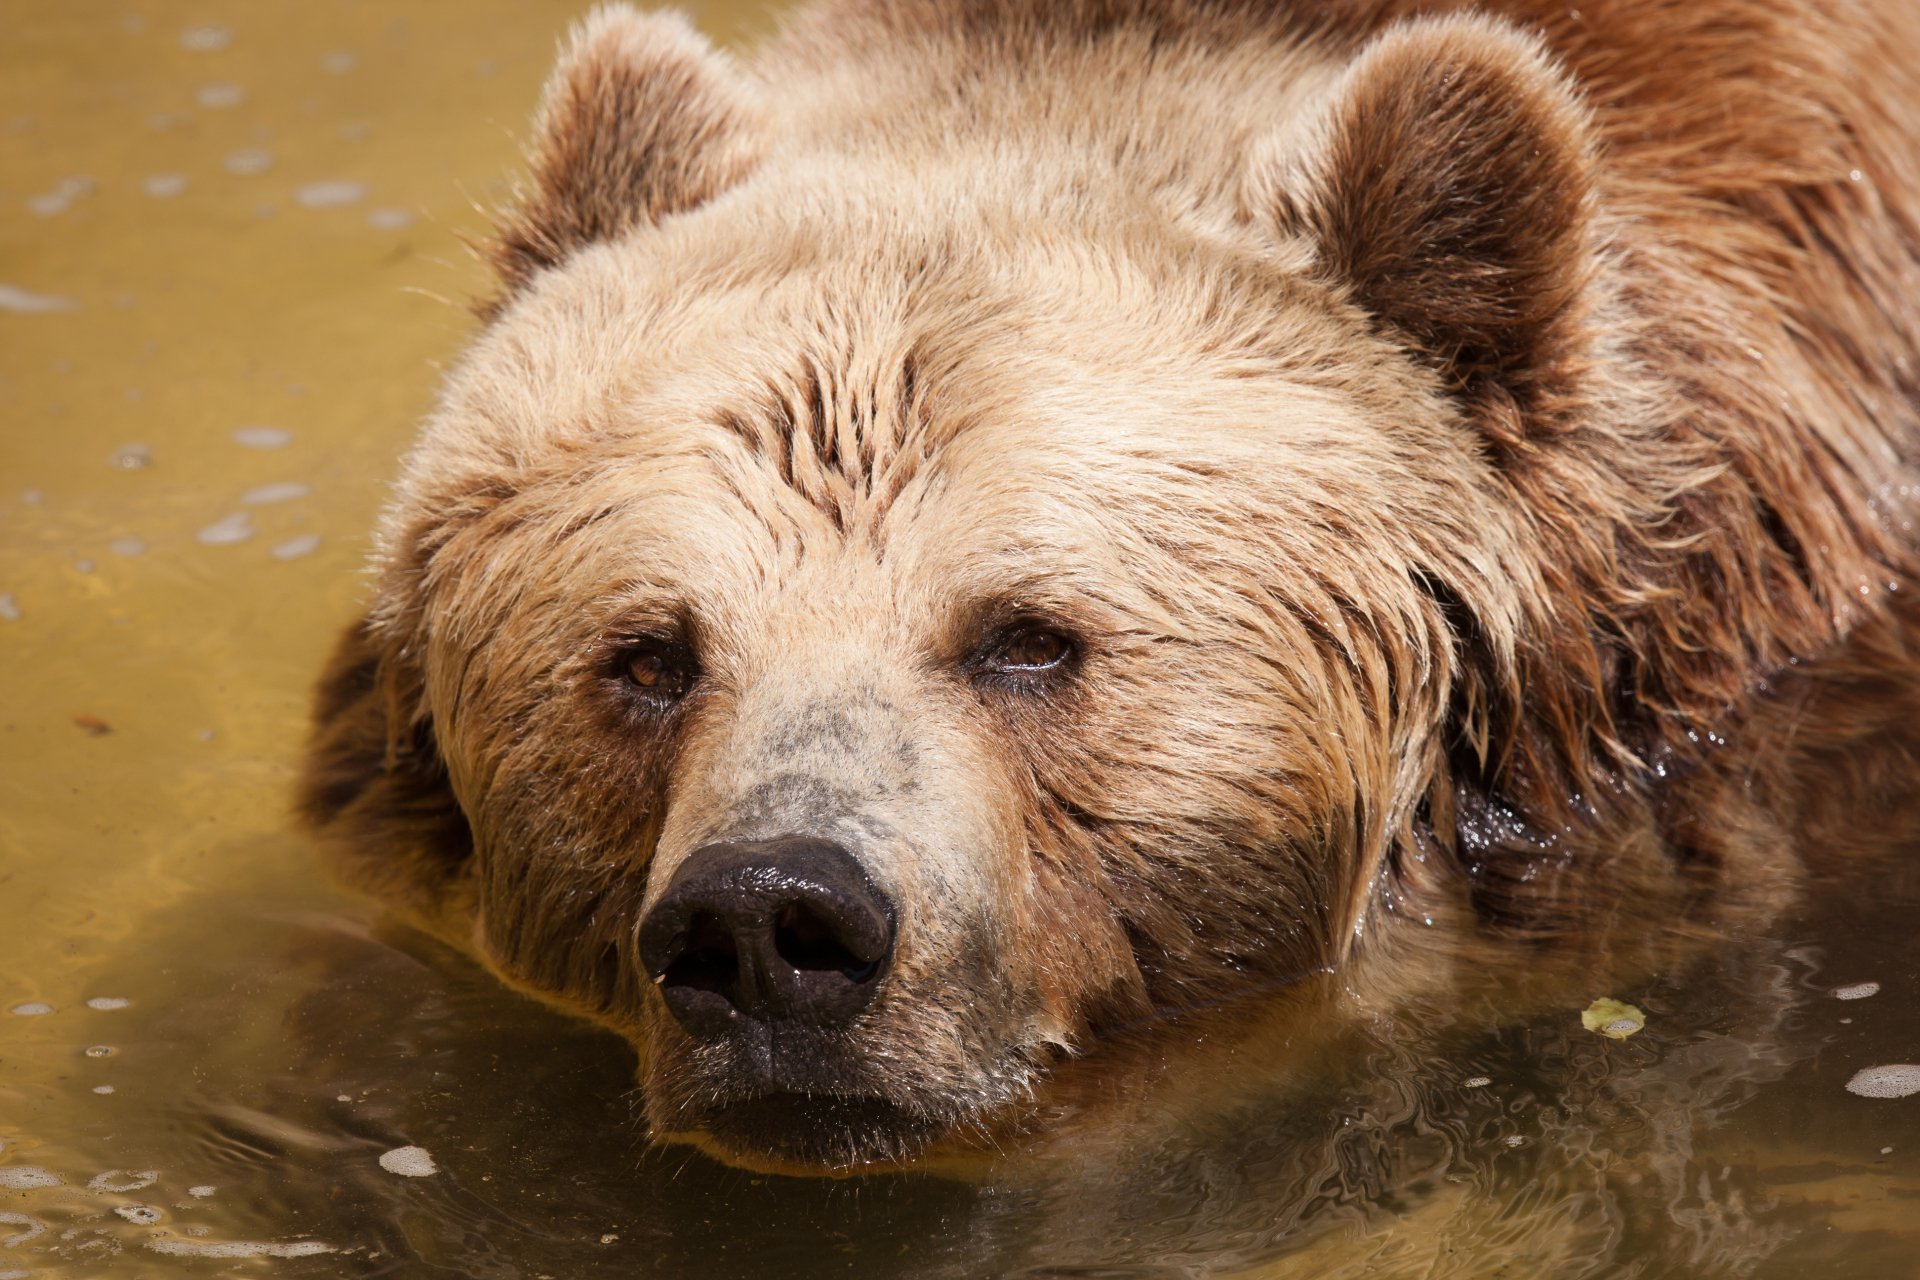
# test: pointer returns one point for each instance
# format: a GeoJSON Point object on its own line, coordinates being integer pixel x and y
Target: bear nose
{"type": "Point", "coordinates": [788, 930]}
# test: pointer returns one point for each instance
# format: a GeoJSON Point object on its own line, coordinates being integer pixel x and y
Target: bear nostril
{"type": "Point", "coordinates": [808, 941]}
{"type": "Point", "coordinates": [708, 959]}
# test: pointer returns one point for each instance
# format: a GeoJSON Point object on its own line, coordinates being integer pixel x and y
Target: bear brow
{"type": "Point", "coordinates": [847, 440]}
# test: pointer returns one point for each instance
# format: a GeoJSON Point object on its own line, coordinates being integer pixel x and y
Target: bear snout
{"type": "Point", "coordinates": [782, 931]}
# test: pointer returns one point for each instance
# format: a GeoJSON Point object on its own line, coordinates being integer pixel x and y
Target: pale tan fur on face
{"type": "Point", "coordinates": [1402, 520]}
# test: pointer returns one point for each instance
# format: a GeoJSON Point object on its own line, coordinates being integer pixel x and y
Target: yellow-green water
{"type": "Point", "coordinates": [229, 262]}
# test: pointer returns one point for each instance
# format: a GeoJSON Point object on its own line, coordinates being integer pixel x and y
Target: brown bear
{"type": "Point", "coordinates": [998, 520]}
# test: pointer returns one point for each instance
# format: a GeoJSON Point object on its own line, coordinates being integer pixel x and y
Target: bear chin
{"type": "Point", "coordinates": [789, 1132]}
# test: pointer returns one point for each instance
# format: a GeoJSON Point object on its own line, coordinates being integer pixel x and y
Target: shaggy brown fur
{"type": "Point", "coordinates": [1433, 425]}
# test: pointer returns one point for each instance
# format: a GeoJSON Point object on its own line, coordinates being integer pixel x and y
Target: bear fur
{"type": "Point", "coordinates": [1430, 429]}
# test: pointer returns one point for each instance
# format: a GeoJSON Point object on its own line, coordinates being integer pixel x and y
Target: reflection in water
{"type": "Point", "coordinates": [214, 235]}
{"type": "Point", "coordinates": [289, 1046]}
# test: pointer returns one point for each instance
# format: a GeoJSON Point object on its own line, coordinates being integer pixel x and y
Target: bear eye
{"type": "Point", "coordinates": [659, 669]}
{"type": "Point", "coordinates": [1028, 651]}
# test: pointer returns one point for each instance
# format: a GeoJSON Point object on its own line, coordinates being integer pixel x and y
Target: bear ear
{"type": "Point", "coordinates": [1447, 187]}
{"type": "Point", "coordinates": [641, 118]}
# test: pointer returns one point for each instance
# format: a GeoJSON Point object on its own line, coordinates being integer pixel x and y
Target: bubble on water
{"type": "Point", "coordinates": [128, 546]}
{"type": "Point", "coordinates": [164, 185]}
{"type": "Point", "coordinates": [339, 62]}
{"type": "Point", "coordinates": [227, 531]}
{"type": "Point", "coordinates": [285, 491]}
{"type": "Point", "coordinates": [1886, 1151]}
{"type": "Point", "coordinates": [238, 1249]}
{"type": "Point", "coordinates": [132, 457]}
{"type": "Point", "coordinates": [25, 1177]}
{"type": "Point", "coordinates": [248, 161]}
{"type": "Point", "coordinates": [33, 1228]}
{"type": "Point", "coordinates": [610, 1238]}
{"type": "Point", "coordinates": [389, 219]}
{"type": "Point", "coordinates": [103, 1088]}
{"type": "Point", "coordinates": [121, 1181]}
{"type": "Point", "coordinates": [100, 1051]}
{"type": "Point", "coordinates": [341, 1097]}
{"type": "Point", "coordinates": [20, 302]}
{"type": "Point", "coordinates": [16, 1275]}
{"type": "Point", "coordinates": [32, 497]}
{"type": "Point", "coordinates": [1477, 1082]}
{"type": "Point", "coordinates": [200, 1193]}
{"type": "Point", "coordinates": [140, 1215]}
{"type": "Point", "coordinates": [1893, 1080]}
{"type": "Point", "coordinates": [409, 1162]}
{"type": "Point", "coordinates": [9, 608]}
{"type": "Point", "coordinates": [330, 194]}
{"type": "Point", "coordinates": [83, 566]}
{"type": "Point", "coordinates": [32, 1009]}
{"type": "Point", "coordinates": [57, 201]}
{"type": "Point", "coordinates": [108, 1002]}
{"type": "Point", "coordinates": [208, 38]}
{"type": "Point", "coordinates": [263, 437]}
{"type": "Point", "coordinates": [220, 95]}
{"type": "Point", "coordinates": [1858, 991]}
{"type": "Point", "coordinates": [293, 548]}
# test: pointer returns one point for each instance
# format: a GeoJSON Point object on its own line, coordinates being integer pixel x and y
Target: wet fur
{"type": "Point", "coordinates": [1439, 423]}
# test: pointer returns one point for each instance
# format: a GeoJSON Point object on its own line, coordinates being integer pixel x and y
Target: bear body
{"type": "Point", "coordinates": [990, 522]}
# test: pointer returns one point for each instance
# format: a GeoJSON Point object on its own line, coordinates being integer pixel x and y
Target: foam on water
{"type": "Point", "coordinates": [409, 1162]}
{"type": "Point", "coordinates": [238, 1248]}
{"type": "Point", "coordinates": [1893, 1080]}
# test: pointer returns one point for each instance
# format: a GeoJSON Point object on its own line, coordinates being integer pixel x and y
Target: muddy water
{"type": "Point", "coordinates": [229, 257]}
